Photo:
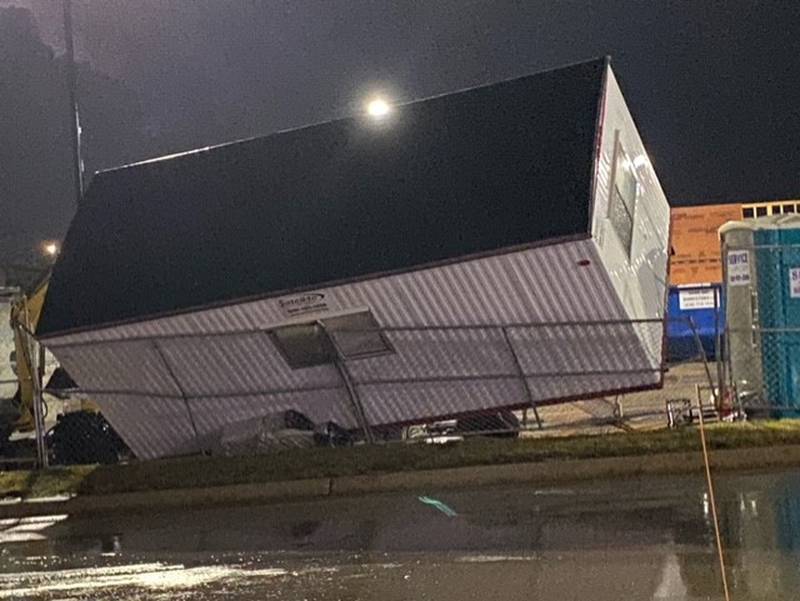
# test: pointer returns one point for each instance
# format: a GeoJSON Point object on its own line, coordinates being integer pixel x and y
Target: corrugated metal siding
{"type": "Point", "coordinates": [536, 285]}
{"type": "Point", "coordinates": [233, 377]}
{"type": "Point", "coordinates": [553, 357]}
{"type": "Point", "coordinates": [432, 353]}
{"type": "Point", "coordinates": [320, 406]}
{"type": "Point", "coordinates": [152, 427]}
{"type": "Point", "coordinates": [119, 366]}
{"type": "Point", "coordinates": [392, 402]}
{"type": "Point", "coordinates": [243, 364]}
{"type": "Point", "coordinates": [585, 347]}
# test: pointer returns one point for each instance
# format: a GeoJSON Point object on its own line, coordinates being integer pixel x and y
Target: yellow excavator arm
{"type": "Point", "coordinates": [25, 315]}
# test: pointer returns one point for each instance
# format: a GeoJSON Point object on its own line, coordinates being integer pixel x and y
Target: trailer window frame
{"type": "Point", "coordinates": [328, 339]}
{"type": "Point", "coordinates": [624, 196]}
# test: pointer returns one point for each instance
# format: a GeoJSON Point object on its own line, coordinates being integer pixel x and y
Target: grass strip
{"type": "Point", "coordinates": [295, 464]}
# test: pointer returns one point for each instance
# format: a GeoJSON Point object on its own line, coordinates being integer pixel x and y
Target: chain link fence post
{"type": "Point", "coordinates": [355, 400]}
{"type": "Point", "coordinates": [702, 355]}
{"type": "Point", "coordinates": [524, 380]}
{"type": "Point", "coordinates": [35, 359]}
{"type": "Point", "coordinates": [162, 357]}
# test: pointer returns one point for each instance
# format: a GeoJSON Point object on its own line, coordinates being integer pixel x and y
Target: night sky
{"type": "Point", "coordinates": [713, 86]}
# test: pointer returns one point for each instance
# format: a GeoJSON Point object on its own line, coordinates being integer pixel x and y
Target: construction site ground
{"type": "Point", "coordinates": [638, 411]}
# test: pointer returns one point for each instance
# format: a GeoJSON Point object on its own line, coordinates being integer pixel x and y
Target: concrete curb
{"type": "Point", "coordinates": [546, 472]}
{"type": "Point", "coordinates": [552, 472]}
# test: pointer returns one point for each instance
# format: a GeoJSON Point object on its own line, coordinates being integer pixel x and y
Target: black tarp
{"type": "Point", "coordinates": [471, 172]}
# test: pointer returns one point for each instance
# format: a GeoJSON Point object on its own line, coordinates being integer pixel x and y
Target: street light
{"type": "Point", "coordinates": [378, 108]}
{"type": "Point", "coordinates": [50, 249]}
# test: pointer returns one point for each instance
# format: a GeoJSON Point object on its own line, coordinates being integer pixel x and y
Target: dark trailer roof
{"type": "Point", "coordinates": [471, 172]}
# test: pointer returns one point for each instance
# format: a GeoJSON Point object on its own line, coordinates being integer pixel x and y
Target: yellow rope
{"type": "Point", "coordinates": [713, 501]}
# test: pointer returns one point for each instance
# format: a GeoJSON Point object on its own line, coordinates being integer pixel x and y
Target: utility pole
{"type": "Point", "coordinates": [75, 120]}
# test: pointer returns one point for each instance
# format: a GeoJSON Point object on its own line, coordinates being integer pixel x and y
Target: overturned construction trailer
{"type": "Point", "coordinates": [491, 248]}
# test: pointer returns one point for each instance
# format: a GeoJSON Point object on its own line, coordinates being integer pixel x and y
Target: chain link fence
{"type": "Point", "coordinates": [369, 385]}
{"type": "Point", "coordinates": [761, 359]}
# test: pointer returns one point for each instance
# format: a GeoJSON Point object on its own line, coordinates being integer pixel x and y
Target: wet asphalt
{"type": "Point", "coordinates": [647, 538]}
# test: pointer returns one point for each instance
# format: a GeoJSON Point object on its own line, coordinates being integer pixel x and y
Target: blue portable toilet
{"type": "Point", "coordinates": [777, 254]}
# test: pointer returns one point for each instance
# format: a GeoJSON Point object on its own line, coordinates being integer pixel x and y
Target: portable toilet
{"type": "Point", "coordinates": [763, 295]}
{"type": "Point", "coordinates": [777, 244]}
{"type": "Point", "coordinates": [741, 334]}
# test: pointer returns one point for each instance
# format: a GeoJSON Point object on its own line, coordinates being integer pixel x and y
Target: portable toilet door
{"type": "Point", "coordinates": [742, 341]}
{"type": "Point", "coordinates": [778, 287]}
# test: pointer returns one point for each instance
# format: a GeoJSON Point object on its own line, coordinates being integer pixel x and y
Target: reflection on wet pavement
{"type": "Point", "coordinates": [633, 539]}
{"type": "Point", "coordinates": [634, 574]}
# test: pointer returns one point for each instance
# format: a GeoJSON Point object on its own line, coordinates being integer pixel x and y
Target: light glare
{"type": "Point", "coordinates": [378, 108]}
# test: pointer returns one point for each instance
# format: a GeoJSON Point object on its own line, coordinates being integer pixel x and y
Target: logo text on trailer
{"type": "Point", "coordinates": [309, 302]}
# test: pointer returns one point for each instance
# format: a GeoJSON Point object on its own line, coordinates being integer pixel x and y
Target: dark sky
{"type": "Point", "coordinates": [714, 86]}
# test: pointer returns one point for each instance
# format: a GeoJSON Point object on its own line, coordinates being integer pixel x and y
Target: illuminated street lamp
{"type": "Point", "coordinates": [378, 108]}
{"type": "Point", "coordinates": [50, 249]}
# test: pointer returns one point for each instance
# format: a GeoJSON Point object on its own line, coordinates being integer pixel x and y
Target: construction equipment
{"type": "Point", "coordinates": [23, 413]}
{"type": "Point", "coordinates": [78, 433]}
{"type": "Point", "coordinates": [30, 365]}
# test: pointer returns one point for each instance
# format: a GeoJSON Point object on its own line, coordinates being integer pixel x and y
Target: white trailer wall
{"type": "Point", "coordinates": [639, 278]}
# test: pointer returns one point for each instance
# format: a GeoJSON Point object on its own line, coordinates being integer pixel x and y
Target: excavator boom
{"type": "Point", "coordinates": [25, 313]}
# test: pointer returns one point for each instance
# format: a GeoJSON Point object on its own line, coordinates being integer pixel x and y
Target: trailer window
{"type": "Point", "coordinates": [350, 336]}
{"type": "Point", "coordinates": [622, 205]}
{"type": "Point", "coordinates": [304, 345]}
{"type": "Point", "coordinates": [357, 335]}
